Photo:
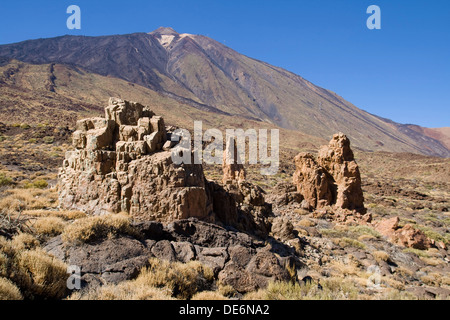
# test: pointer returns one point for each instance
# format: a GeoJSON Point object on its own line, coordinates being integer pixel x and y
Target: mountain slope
{"type": "Point", "coordinates": [198, 71]}
{"type": "Point", "coordinates": [59, 95]}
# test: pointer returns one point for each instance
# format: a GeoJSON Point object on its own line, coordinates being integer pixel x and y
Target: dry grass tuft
{"type": "Point", "coordinates": [24, 241]}
{"type": "Point", "coordinates": [381, 256]}
{"type": "Point", "coordinates": [49, 226]}
{"type": "Point", "coordinates": [162, 280]}
{"type": "Point", "coordinates": [18, 200]}
{"type": "Point", "coordinates": [63, 214]}
{"type": "Point", "coordinates": [348, 242]}
{"type": "Point", "coordinates": [95, 228]}
{"type": "Point", "coordinates": [127, 290]}
{"type": "Point", "coordinates": [227, 291]}
{"type": "Point", "coordinates": [41, 274]}
{"type": "Point", "coordinates": [332, 289]}
{"type": "Point", "coordinates": [306, 223]}
{"type": "Point", "coordinates": [183, 280]}
{"type": "Point", "coordinates": [33, 271]}
{"type": "Point", "coordinates": [8, 290]}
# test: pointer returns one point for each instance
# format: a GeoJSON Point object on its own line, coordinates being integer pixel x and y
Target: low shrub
{"type": "Point", "coordinates": [4, 180]}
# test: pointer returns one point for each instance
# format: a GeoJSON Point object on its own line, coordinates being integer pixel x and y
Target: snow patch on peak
{"type": "Point", "coordinates": [166, 40]}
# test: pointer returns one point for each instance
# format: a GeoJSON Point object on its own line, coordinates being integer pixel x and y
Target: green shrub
{"type": "Point", "coordinates": [4, 180]}
{"type": "Point", "coordinates": [38, 184]}
{"type": "Point", "coordinates": [365, 230]}
{"type": "Point", "coordinates": [48, 139]}
{"type": "Point", "coordinates": [348, 242]}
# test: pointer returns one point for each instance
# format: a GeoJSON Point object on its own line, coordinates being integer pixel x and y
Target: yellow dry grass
{"type": "Point", "coordinates": [49, 226]}
{"type": "Point", "coordinates": [63, 214]}
{"type": "Point", "coordinates": [33, 271]}
{"type": "Point", "coordinates": [380, 256]}
{"type": "Point", "coordinates": [98, 227]}
{"type": "Point", "coordinates": [8, 290]}
{"type": "Point", "coordinates": [162, 280]}
{"type": "Point", "coordinates": [44, 275]}
{"type": "Point", "coordinates": [182, 279]}
{"type": "Point", "coordinates": [18, 200]}
{"type": "Point", "coordinates": [127, 290]}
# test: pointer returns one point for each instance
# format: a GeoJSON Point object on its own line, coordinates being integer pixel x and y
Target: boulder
{"type": "Point", "coordinates": [410, 237]}
{"type": "Point", "coordinates": [387, 227]}
{"type": "Point", "coordinates": [406, 236]}
{"type": "Point", "coordinates": [282, 229]}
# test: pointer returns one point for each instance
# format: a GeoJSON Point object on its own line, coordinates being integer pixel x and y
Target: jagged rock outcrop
{"type": "Point", "coordinates": [338, 160]}
{"type": "Point", "coordinates": [313, 182]}
{"type": "Point", "coordinates": [241, 205]}
{"type": "Point", "coordinates": [406, 236]}
{"type": "Point", "coordinates": [123, 163]}
{"type": "Point", "coordinates": [331, 180]}
{"type": "Point", "coordinates": [118, 165]}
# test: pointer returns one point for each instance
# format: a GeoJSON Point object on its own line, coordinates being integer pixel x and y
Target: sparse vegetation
{"type": "Point", "coordinates": [98, 227]}
{"type": "Point", "coordinates": [8, 290]}
{"type": "Point", "coordinates": [4, 180]}
{"type": "Point", "coordinates": [380, 256]}
{"type": "Point", "coordinates": [345, 242]}
{"type": "Point", "coordinates": [49, 226]}
{"type": "Point", "coordinates": [38, 184]}
{"type": "Point", "coordinates": [332, 289]}
{"type": "Point", "coordinates": [48, 139]}
{"type": "Point", "coordinates": [33, 271]}
{"type": "Point", "coordinates": [161, 280]}
{"type": "Point", "coordinates": [30, 216]}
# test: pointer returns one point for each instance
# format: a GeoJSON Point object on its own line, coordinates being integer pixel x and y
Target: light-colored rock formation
{"type": "Point", "coordinates": [118, 165]}
{"type": "Point", "coordinates": [312, 181]}
{"type": "Point", "coordinates": [338, 160]}
{"type": "Point", "coordinates": [332, 180]}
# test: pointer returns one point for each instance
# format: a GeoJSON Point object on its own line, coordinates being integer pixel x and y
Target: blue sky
{"type": "Point", "coordinates": [401, 72]}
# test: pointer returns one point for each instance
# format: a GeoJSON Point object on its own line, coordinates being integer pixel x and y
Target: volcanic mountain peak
{"type": "Point", "coordinates": [167, 35]}
{"type": "Point", "coordinates": [164, 31]}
